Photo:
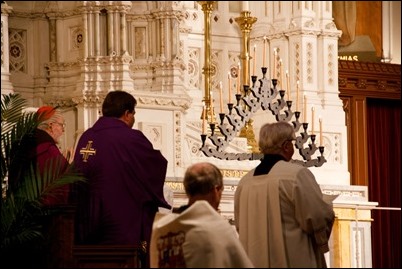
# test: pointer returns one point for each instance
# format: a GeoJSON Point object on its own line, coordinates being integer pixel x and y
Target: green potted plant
{"type": "Point", "coordinates": [23, 216]}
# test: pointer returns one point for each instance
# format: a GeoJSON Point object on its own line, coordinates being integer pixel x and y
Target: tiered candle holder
{"type": "Point", "coordinates": [265, 97]}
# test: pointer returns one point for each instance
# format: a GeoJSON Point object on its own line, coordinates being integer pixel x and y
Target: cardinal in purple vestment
{"type": "Point", "coordinates": [125, 178]}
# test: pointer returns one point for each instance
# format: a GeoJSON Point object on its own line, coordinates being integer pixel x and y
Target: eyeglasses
{"type": "Point", "coordinates": [62, 124]}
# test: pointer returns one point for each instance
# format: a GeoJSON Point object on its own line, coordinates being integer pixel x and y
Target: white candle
{"type": "Point", "coordinates": [220, 97]}
{"type": "Point", "coordinates": [281, 75]}
{"type": "Point", "coordinates": [203, 119]}
{"type": "Point", "coordinates": [320, 121]}
{"type": "Point", "coordinates": [274, 73]}
{"type": "Point", "coordinates": [297, 96]}
{"type": "Point", "coordinates": [245, 6]}
{"type": "Point", "coordinates": [312, 120]}
{"type": "Point", "coordinates": [211, 106]}
{"type": "Point", "coordinates": [264, 52]}
{"type": "Point", "coordinates": [254, 58]}
{"type": "Point", "coordinates": [305, 108]}
{"type": "Point", "coordinates": [288, 84]}
{"type": "Point", "coordinates": [238, 78]}
{"type": "Point", "coordinates": [230, 88]}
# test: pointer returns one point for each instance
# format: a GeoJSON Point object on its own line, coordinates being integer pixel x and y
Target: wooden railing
{"type": "Point", "coordinates": [64, 253]}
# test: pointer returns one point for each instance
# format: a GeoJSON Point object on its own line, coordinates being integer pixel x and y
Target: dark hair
{"type": "Point", "coordinates": [117, 102]}
{"type": "Point", "coordinates": [201, 178]}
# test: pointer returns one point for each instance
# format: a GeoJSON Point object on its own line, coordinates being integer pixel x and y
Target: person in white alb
{"type": "Point", "coordinates": [197, 236]}
{"type": "Point", "coordinates": [280, 214]}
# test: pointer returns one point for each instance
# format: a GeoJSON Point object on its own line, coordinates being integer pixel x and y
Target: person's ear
{"type": "Point", "coordinates": [219, 190]}
{"type": "Point", "coordinates": [126, 116]}
{"type": "Point", "coordinates": [288, 145]}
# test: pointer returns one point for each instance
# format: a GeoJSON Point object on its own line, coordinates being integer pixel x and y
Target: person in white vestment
{"type": "Point", "coordinates": [197, 236]}
{"type": "Point", "coordinates": [280, 214]}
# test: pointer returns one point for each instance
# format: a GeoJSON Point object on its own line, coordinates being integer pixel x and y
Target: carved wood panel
{"type": "Point", "coordinates": [357, 82]}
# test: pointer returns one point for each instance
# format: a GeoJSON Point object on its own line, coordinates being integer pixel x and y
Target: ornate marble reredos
{"type": "Point", "coordinates": [70, 54]}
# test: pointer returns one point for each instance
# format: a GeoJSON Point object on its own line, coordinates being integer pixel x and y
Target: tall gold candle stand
{"type": "Point", "coordinates": [245, 22]}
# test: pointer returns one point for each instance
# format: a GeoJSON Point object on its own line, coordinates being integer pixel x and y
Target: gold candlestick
{"type": "Point", "coordinates": [207, 8]}
{"type": "Point", "coordinates": [245, 22]}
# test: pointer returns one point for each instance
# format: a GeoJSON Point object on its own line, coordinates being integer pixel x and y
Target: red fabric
{"type": "Point", "coordinates": [48, 154]}
{"type": "Point", "coordinates": [45, 113]}
{"type": "Point", "coordinates": [384, 167]}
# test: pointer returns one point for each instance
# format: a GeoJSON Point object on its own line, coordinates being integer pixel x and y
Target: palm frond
{"type": "Point", "coordinates": [38, 184]}
{"type": "Point", "coordinates": [11, 107]}
{"type": "Point", "coordinates": [15, 124]}
{"type": "Point", "coordinates": [22, 211]}
{"type": "Point", "coordinates": [20, 223]}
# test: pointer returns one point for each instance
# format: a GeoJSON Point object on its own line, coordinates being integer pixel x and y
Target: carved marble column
{"type": "Point", "coordinates": [110, 32]}
{"type": "Point", "coordinates": [6, 85]}
{"type": "Point", "coordinates": [97, 32]}
{"type": "Point", "coordinates": [116, 31]}
{"type": "Point", "coordinates": [86, 34]}
{"type": "Point", "coordinates": [91, 34]}
{"type": "Point", "coordinates": [53, 38]}
{"type": "Point", "coordinates": [168, 65]}
{"type": "Point", "coordinates": [123, 30]}
{"type": "Point", "coordinates": [103, 69]}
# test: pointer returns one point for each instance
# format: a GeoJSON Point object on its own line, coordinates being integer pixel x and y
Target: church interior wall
{"type": "Point", "coordinates": [161, 64]}
{"type": "Point", "coordinates": [26, 55]}
{"type": "Point", "coordinates": [69, 49]}
{"type": "Point", "coordinates": [64, 70]}
{"type": "Point", "coordinates": [157, 128]}
{"type": "Point", "coordinates": [62, 78]}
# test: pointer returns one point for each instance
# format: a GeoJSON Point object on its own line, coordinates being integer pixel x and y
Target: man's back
{"type": "Point", "coordinates": [125, 189]}
{"type": "Point", "coordinates": [288, 212]}
{"type": "Point", "coordinates": [198, 237]}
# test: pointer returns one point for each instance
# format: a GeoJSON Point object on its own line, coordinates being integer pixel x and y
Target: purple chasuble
{"type": "Point", "coordinates": [125, 184]}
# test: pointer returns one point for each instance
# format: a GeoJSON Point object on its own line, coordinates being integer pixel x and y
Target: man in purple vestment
{"type": "Point", "coordinates": [125, 178]}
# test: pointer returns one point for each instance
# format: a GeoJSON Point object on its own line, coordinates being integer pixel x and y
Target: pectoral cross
{"type": "Point", "coordinates": [87, 151]}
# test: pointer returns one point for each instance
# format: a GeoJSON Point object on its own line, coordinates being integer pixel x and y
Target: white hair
{"type": "Point", "coordinates": [44, 124]}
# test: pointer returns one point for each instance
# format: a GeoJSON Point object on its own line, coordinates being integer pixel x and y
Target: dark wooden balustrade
{"type": "Point", "coordinates": [63, 253]}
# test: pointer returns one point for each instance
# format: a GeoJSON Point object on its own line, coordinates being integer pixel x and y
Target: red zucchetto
{"type": "Point", "coordinates": [45, 113]}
